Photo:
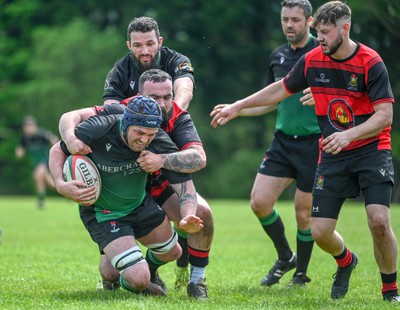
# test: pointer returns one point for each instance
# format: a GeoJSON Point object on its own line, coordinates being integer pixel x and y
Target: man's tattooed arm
{"type": "Point", "coordinates": [187, 197]}
{"type": "Point", "coordinates": [185, 161]}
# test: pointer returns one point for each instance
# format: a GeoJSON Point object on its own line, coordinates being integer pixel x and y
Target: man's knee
{"type": "Point", "coordinates": [107, 270]}
{"type": "Point", "coordinates": [379, 226]}
{"type": "Point", "coordinates": [320, 231]}
{"type": "Point", "coordinates": [137, 276]}
{"type": "Point", "coordinates": [204, 212]}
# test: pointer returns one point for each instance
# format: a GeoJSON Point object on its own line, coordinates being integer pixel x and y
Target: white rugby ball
{"type": "Point", "coordinates": [81, 168]}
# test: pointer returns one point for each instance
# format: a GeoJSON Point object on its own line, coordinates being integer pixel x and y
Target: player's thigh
{"type": "Point", "coordinates": [267, 189]}
{"type": "Point", "coordinates": [160, 234]}
{"type": "Point", "coordinates": [118, 246]}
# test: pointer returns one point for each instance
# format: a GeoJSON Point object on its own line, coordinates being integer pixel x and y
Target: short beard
{"type": "Point", "coordinates": [167, 115]}
{"type": "Point", "coordinates": [146, 66]}
{"type": "Point", "coordinates": [298, 37]}
{"type": "Point", "coordinates": [335, 46]}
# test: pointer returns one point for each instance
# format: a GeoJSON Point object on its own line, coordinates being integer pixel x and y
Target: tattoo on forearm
{"type": "Point", "coordinates": [185, 194]}
{"type": "Point", "coordinates": [184, 161]}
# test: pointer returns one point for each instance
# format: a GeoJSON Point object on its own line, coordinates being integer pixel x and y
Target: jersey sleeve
{"type": "Point", "coordinates": [178, 65]}
{"type": "Point", "coordinates": [270, 72]}
{"type": "Point", "coordinates": [185, 132]}
{"type": "Point", "coordinates": [108, 109]}
{"type": "Point", "coordinates": [64, 148]}
{"type": "Point", "coordinates": [114, 83]}
{"type": "Point", "coordinates": [94, 128]}
{"type": "Point", "coordinates": [295, 80]}
{"type": "Point", "coordinates": [379, 89]}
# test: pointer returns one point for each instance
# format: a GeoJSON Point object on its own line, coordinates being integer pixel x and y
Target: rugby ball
{"type": "Point", "coordinates": [81, 168]}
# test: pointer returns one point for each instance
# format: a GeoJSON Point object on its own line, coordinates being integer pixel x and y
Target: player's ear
{"type": "Point", "coordinates": [310, 21]}
{"type": "Point", "coordinates": [346, 29]}
{"type": "Point", "coordinates": [128, 44]}
{"type": "Point", "coordinates": [160, 41]}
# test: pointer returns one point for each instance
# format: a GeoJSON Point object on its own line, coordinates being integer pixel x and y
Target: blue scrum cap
{"type": "Point", "coordinates": [141, 111]}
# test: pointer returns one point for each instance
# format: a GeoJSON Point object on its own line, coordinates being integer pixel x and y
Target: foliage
{"type": "Point", "coordinates": [48, 261]}
{"type": "Point", "coordinates": [55, 55]}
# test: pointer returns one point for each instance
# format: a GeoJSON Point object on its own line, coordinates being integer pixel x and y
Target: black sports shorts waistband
{"type": "Point", "coordinates": [289, 137]}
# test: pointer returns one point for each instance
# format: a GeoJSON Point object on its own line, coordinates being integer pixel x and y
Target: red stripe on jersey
{"type": "Point", "coordinates": [189, 144]}
{"type": "Point", "coordinates": [345, 93]}
{"type": "Point", "coordinates": [374, 61]}
{"type": "Point", "coordinates": [386, 100]}
{"type": "Point", "coordinates": [336, 65]}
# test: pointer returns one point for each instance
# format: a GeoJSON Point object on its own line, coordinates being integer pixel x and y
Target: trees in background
{"type": "Point", "coordinates": [55, 55]}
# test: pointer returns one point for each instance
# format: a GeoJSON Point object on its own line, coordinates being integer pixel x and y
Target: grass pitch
{"type": "Point", "coordinates": [48, 261]}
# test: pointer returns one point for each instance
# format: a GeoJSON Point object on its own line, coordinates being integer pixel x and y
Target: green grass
{"type": "Point", "coordinates": [48, 261]}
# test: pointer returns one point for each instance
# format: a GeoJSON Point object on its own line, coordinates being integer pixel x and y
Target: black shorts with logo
{"type": "Point", "coordinates": [371, 172]}
{"type": "Point", "coordinates": [294, 157]}
{"type": "Point", "coordinates": [345, 178]}
{"type": "Point", "coordinates": [140, 222]}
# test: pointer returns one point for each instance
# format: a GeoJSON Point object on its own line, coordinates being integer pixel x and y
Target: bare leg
{"type": "Point", "coordinates": [325, 235]}
{"type": "Point", "coordinates": [384, 240]}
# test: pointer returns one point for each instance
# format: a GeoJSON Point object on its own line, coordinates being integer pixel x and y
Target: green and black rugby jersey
{"type": "Point", "coordinates": [293, 118]}
{"type": "Point", "coordinates": [123, 181]}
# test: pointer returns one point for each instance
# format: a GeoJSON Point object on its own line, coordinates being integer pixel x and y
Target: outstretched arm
{"type": "Point", "coordinates": [269, 95]}
{"type": "Point", "coordinates": [246, 112]}
{"type": "Point", "coordinates": [67, 124]}
{"type": "Point", "coordinates": [307, 99]}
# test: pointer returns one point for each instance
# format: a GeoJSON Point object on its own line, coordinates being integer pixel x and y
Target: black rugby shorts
{"type": "Point", "coordinates": [140, 222]}
{"type": "Point", "coordinates": [292, 157]}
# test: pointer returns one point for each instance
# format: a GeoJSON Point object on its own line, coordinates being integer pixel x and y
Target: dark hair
{"type": "Point", "coordinates": [304, 4]}
{"type": "Point", "coordinates": [142, 24]}
{"type": "Point", "coordinates": [331, 13]}
{"type": "Point", "coordinates": [153, 75]}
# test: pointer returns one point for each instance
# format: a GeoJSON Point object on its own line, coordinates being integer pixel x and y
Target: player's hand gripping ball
{"type": "Point", "coordinates": [81, 168]}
